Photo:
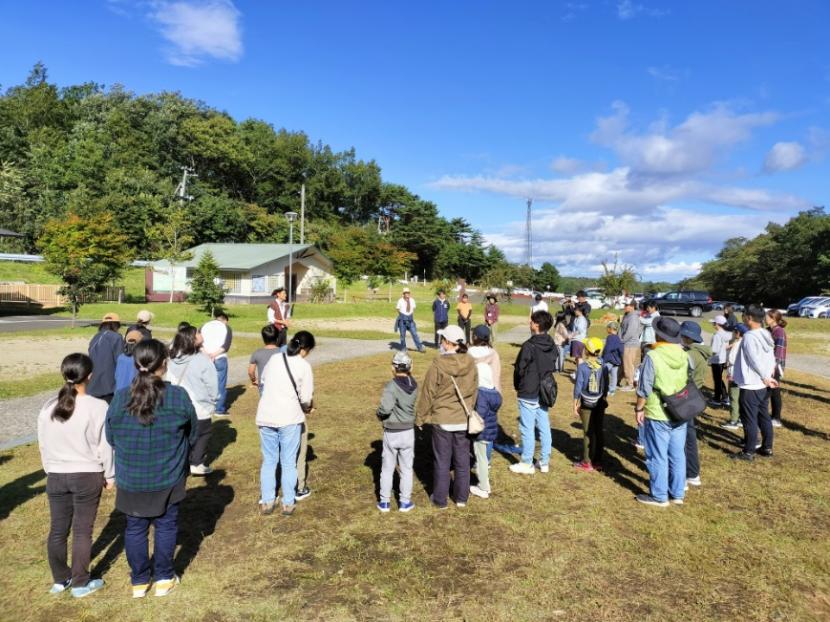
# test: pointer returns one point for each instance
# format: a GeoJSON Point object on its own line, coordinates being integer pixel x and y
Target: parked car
{"type": "Point", "coordinates": [719, 305]}
{"type": "Point", "coordinates": [693, 303]}
{"type": "Point", "coordinates": [816, 308]}
{"type": "Point", "coordinates": [795, 308]}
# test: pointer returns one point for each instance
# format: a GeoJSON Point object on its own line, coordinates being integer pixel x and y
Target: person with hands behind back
{"type": "Point", "coordinates": [590, 393]}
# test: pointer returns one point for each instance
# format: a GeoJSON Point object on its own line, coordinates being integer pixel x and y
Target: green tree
{"type": "Point", "coordinates": [546, 278]}
{"type": "Point", "coordinates": [206, 289]}
{"type": "Point", "coordinates": [617, 279]}
{"type": "Point", "coordinates": [85, 254]}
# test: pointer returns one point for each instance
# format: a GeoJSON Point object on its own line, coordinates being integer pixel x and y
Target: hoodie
{"type": "Point", "coordinates": [630, 330]}
{"type": "Point", "coordinates": [196, 374]}
{"type": "Point", "coordinates": [755, 360]}
{"type": "Point", "coordinates": [439, 403]}
{"type": "Point", "coordinates": [488, 364]}
{"type": "Point", "coordinates": [397, 403]}
{"type": "Point", "coordinates": [537, 357]}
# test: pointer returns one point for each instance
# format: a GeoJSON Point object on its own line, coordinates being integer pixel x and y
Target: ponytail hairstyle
{"type": "Point", "coordinates": [303, 340]}
{"type": "Point", "coordinates": [75, 369]}
{"type": "Point", "coordinates": [776, 315]}
{"type": "Point", "coordinates": [184, 343]}
{"type": "Point", "coordinates": [147, 389]}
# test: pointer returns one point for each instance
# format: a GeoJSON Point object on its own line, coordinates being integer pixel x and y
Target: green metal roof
{"type": "Point", "coordinates": [232, 256]}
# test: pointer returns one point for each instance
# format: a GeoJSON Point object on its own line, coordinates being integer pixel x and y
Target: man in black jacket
{"type": "Point", "coordinates": [536, 359]}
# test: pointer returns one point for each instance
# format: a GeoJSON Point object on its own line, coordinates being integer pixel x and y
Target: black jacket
{"type": "Point", "coordinates": [537, 357]}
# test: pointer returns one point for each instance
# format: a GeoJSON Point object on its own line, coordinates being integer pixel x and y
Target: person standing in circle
{"type": "Point", "coordinates": [217, 337]}
{"type": "Point", "coordinates": [104, 349]}
{"type": "Point", "coordinates": [440, 313]}
{"type": "Point", "coordinates": [776, 325]}
{"type": "Point", "coordinates": [491, 316]}
{"type": "Point", "coordinates": [406, 320]}
{"type": "Point", "coordinates": [78, 462]}
{"type": "Point", "coordinates": [278, 314]}
{"type": "Point", "coordinates": [465, 316]}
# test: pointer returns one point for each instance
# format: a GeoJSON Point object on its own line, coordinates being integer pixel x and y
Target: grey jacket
{"type": "Point", "coordinates": [630, 330]}
{"type": "Point", "coordinates": [397, 405]}
{"type": "Point", "coordinates": [196, 374]}
{"type": "Point", "coordinates": [755, 360]}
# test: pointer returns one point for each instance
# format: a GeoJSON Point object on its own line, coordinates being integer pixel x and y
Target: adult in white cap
{"type": "Point", "coordinates": [720, 346]}
{"type": "Point", "coordinates": [406, 320]}
{"type": "Point", "coordinates": [142, 324]}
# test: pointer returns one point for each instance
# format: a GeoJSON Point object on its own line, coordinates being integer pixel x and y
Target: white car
{"type": "Point", "coordinates": [815, 308]}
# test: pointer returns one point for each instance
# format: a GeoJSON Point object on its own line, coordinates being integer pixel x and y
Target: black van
{"type": "Point", "coordinates": [693, 303]}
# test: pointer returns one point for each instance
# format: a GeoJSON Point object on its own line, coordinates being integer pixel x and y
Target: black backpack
{"type": "Point", "coordinates": [548, 389]}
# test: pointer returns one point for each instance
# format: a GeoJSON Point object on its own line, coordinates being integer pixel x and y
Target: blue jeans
{"type": "Point", "coordinates": [612, 377]}
{"type": "Point", "coordinates": [408, 324]}
{"type": "Point", "coordinates": [164, 546]}
{"type": "Point", "coordinates": [276, 441]}
{"type": "Point", "coordinates": [533, 417]}
{"type": "Point", "coordinates": [221, 366]}
{"type": "Point", "coordinates": [665, 459]}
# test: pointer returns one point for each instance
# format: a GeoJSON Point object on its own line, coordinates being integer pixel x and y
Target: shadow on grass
{"type": "Point", "coordinates": [111, 540]}
{"type": "Point", "coordinates": [200, 512]}
{"type": "Point", "coordinates": [789, 383]}
{"type": "Point", "coordinates": [797, 427]}
{"type": "Point", "coordinates": [374, 462]}
{"type": "Point", "coordinates": [19, 491]}
{"type": "Point", "coordinates": [806, 396]}
{"type": "Point", "coordinates": [222, 435]}
{"type": "Point", "coordinates": [234, 393]}
{"type": "Point", "coordinates": [715, 436]}
{"type": "Point", "coordinates": [627, 470]}
{"type": "Point", "coordinates": [422, 465]}
{"type": "Point", "coordinates": [5, 458]}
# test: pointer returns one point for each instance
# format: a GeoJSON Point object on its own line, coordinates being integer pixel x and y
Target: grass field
{"type": "Point", "coordinates": [751, 544]}
{"type": "Point", "coordinates": [132, 281]}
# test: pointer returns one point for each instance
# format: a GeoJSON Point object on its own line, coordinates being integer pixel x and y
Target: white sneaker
{"type": "Point", "coordinates": [523, 468]}
{"type": "Point", "coordinates": [693, 481]}
{"type": "Point", "coordinates": [478, 492]}
{"type": "Point", "coordinates": [200, 469]}
{"type": "Point", "coordinates": [543, 468]}
{"type": "Point", "coordinates": [776, 423]}
{"type": "Point", "coordinates": [163, 588]}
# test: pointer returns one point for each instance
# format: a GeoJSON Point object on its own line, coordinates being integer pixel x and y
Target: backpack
{"type": "Point", "coordinates": [593, 393]}
{"type": "Point", "coordinates": [548, 389]}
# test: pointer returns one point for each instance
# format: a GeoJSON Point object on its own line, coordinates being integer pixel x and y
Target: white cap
{"type": "Point", "coordinates": [453, 334]}
{"type": "Point", "coordinates": [144, 316]}
{"type": "Point", "coordinates": [402, 359]}
{"type": "Point", "coordinates": [720, 320]}
{"type": "Point", "coordinates": [406, 290]}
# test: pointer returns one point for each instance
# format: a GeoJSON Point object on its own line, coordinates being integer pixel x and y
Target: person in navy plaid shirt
{"type": "Point", "coordinates": [151, 426]}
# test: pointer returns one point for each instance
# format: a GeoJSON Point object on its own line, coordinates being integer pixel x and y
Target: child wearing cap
{"type": "Point", "coordinates": [720, 342]}
{"type": "Point", "coordinates": [612, 355]}
{"type": "Point", "coordinates": [734, 390]}
{"type": "Point", "coordinates": [488, 403]}
{"type": "Point", "coordinates": [590, 391]}
{"type": "Point", "coordinates": [397, 414]}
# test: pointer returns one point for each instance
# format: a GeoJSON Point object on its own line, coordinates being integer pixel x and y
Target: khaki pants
{"type": "Point", "coordinates": [631, 359]}
{"type": "Point", "coordinates": [302, 469]}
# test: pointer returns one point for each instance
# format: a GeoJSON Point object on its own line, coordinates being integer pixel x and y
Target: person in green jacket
{"type": "Point", "coordinates": [699, 356]}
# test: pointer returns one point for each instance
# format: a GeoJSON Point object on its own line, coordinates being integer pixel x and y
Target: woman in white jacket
{"type": "Point", "coordinates": [193, 370]}
{"type": "Point", "coordinates": [281, 414]}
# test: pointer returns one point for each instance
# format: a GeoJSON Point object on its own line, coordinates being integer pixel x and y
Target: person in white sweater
{"type": "Point", "coordinates": [281, 417]}
{"type": "Point", "coordinates": [78, 463]}
{"type": "Point", "coordinates": [192, 369]}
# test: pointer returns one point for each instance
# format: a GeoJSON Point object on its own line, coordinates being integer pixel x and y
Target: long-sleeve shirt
{"type": "Point", "coordinates": [441, 310]}
{"type": "Point", "coordinates": [196, 375]}
{"type": "Point", "coordinates": [630, 330]}
{"type": "Point", "coordinates": [280, 404]}
{"type": "Point", "coordinates": [491, 313]}
{"type": "Point", "coordinates": [580, 330]}
{"type": "Point", "coordinates": [720, 342]}
{"type": "Point", "coordinates": [104, 348]}
{"type": "Point", "coordinates": [282, 312]}
{"type": "Point", "coordinates": [779, 340]}
{"type": "Point", "coordinates": [77, 445]}
{"type": "Point", "coordinates": [613, 350]}
{"type": "Point", "coordinates": [217, 336]}
{"type": "Point", "coordinates": [755, 361]}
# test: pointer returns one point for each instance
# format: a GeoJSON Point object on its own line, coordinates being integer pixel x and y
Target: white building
{"type": "Point", "coordinates": [250, 272]}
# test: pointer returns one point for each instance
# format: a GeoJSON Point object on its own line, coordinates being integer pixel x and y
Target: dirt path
{"type": "Point", "coordinates": [18, 416]}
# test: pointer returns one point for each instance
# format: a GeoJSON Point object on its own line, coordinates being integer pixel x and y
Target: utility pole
{"type": "Point", "coordinates": [182, 197]}
{"type": "Point", "coordinates": [529, 232]}
{"type": "Point", "coordinates": [302, 214]}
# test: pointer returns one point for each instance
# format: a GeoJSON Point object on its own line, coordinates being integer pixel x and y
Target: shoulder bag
{"type": "Point", "coordinates": [307, 408]}
{"type": "Point", "coordinates": [475, 424]}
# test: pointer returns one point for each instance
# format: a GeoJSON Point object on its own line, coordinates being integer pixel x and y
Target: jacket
{"type": "Point", "coordinates": [612, 352]}
{"type": "Point", "coordinates": [441, 310]}
{"type": "Point", "coordinates": [491, 313]}
{"type": "Point", "coordinates": [279, 405]}
{"type": "Point", "coordinates": [720, 340]}
{"type": "Point", "coordinates": [537, 356]}
{"type": "Point", "coordinates": [488, 364]}
{"type": "Point", "coordinates": [630, 330]}
{"type": "Point", "coordinates": [699, 356]}
{"type": "Point", "coordinates": [397, 403]}
{"type": "Point", "coordinates": [665, 371]}
{"type": "Point", "coordinates": [439, 404]}
{"type": "Point", "coordinates": [755, 360]}
{"type": "Point", "coordinates": [104, 348]}
{"type": "Point", "coordinates": [488, 405]}
{"type": "Point", "coordinates": [196, 375]}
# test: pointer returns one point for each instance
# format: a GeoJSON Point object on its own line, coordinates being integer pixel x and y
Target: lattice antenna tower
{"type": "Point", "coordinates": [529, 233]}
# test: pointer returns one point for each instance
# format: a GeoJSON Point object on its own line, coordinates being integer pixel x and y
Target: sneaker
{"type": "Point", "coordinates": [730, 425]}
{"type": "Point", "coordinates": [200, 469]}
{"type": "Point", "coordinates": [478, 492]}
{"type": "Point", "coordinates": [288, 510]}
{"type": "Point", "coordinates": [422, 349]}
{"type": "Point", "coordinates": [305, 493]}
{"type": "Point", "coordinates": [523, 468]}
{"type": "Point", "coordinates": [140, 591]}
{"type": "Point", "coordinates": [583, 466]}
{"type": "Point", "coordinates": [221, 415]}
{"type": "Point", "coordinates": [649, 500]}
{"type": "Point", "coordinates": [639, 446]}
{"type": "Point", "coordinates": [573, 376]}
{"type": "Point", "coordinates": [406, 506]}
{"type": "Point", "coordinates": [435, 505]}
{"type": "Point", "coordinates": [163, 588]}
{"type": "Point", "coordinates": [611, 393]}
{"type": "Point", "coordinates": [742, 455]}
{"type": "Point", "coordinates": [766, 453]}
{"type": "Point", "coordinates": [715, 403]}
{"type": "Point", "coordinates": [60, 588]}
{"type": "Point", "coordinates": [383, 506]}
{"type": "Point", "coordinates": [92, 586]}
{"type": "Point", "coordinates": [676, 501]}
{"type": "Point", "coordinates": [693, 481]}
{"type": "Point", "coordinates": [776, 423]}
{"type": "Point", "coordinates": [266, 508]}
{"type": "Point", "coordinates": [543, 468]}
{"type": "Point", "coordinates": [461, 504]}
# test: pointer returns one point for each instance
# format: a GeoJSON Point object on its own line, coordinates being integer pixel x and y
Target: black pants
{"type": "Point", "coordinates": [692, 457]}
{"type": "Point", "coordinates": [73, 504]}
{"type": "Point", "coordinates": [198, 453]}
{"type": "Point", "coordinates": [755, 414]}
{"type": "Point", "coordinates": [775, 401]}
{"type": "Point", "coordinates": [282, 336]}
{"type": "Point", "coordinates": [439, 326]}
{"type": "Point", "coordinates": [465, 325]}
{"type": "Point", "coordinates": [450, 449]}
{"type": "Point", "coordinates": [721, 394]}
{"type": "Point", "coordinates": [593, 439]}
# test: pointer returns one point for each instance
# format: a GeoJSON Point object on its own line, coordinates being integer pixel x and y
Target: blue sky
{"type": "Point", "coordinates": [652, 130]}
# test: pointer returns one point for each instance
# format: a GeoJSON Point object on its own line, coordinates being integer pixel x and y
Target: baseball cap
{"type": "Point", "coordinates": [720, 320]}
{"type": "Point", "coordinates": [134, 336]}
{"type": "Point", "coordinates": [613, 325]}
{"type": "Point", "coordinates": [402, 360]}
{"type": "Point", "coordinates": [406, 290]}
{"type": "Point", "coordinates": [453, 334]}
{"type": "Point", "coordinates": [144, 316]}
{"type": "Point", "coordinates": [481, 332]}
{"type": "Point", "coordinates": [593, 345]}
{"type": "Point", "coordinates": [741, 328]}
{"type": "Point", "coordinates": [111, 317]}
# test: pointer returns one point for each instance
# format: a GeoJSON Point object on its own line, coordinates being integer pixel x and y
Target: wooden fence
{"type": "Point", "coordinates": [47, 296]}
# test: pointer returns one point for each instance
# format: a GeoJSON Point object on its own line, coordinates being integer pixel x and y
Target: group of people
{"type": "Point", "coordinates": [135, 414]}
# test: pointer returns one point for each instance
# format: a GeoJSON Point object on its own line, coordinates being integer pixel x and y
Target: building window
{"type": "Point", "coordinates": [232, 282]}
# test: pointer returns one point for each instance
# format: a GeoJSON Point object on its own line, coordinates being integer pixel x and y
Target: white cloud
{"type": "Point", "coordinates": [198, 30]}
{"type": "Point", "coordinates": [564, 164]}
{"type": "Point", "coordinates": [626, 9]}
{"type": "Point", "coordinates": [784, 156]}
{"type": "Point", "coordinates": [665, 73]}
